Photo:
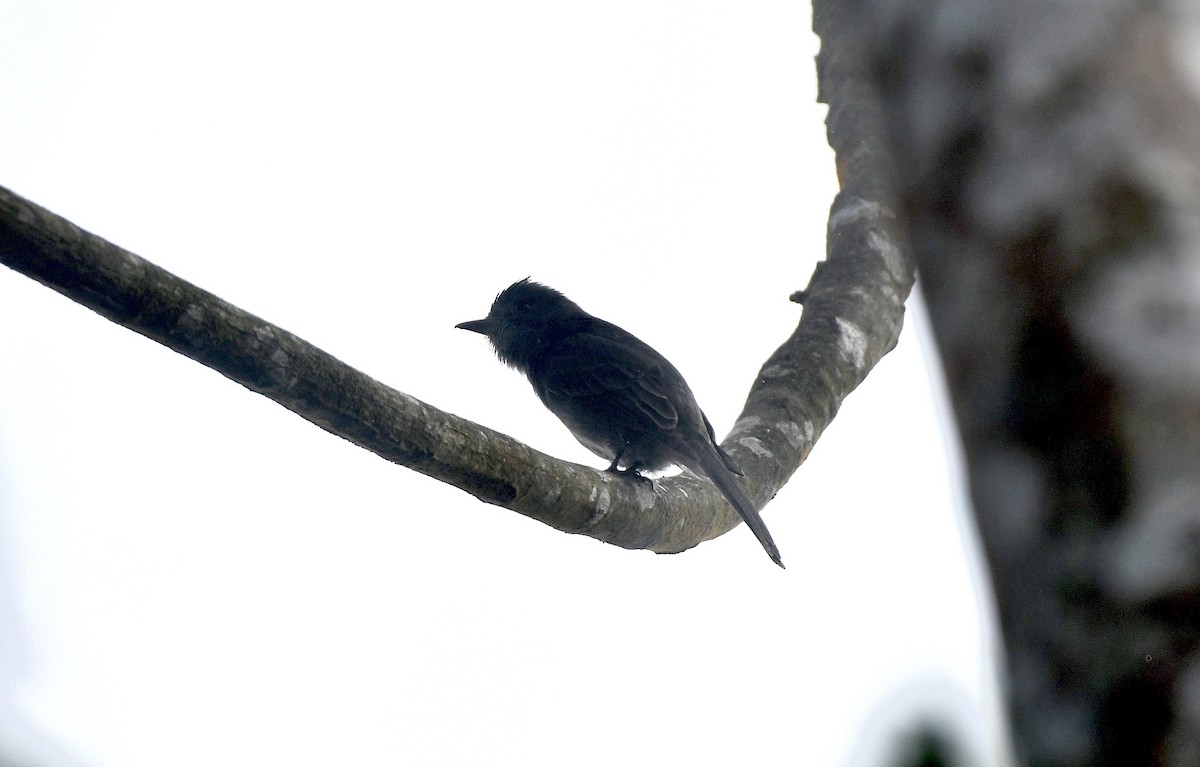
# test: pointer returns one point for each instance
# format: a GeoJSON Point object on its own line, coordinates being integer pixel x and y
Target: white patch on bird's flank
{"type": "Point", "coordinates": [852, 343]}
{"type": "Point", "coordinates": [754, 445]}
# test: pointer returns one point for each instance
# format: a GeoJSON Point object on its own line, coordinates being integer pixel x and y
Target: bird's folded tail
{"type": "Point", "coordinates": [720, 468]}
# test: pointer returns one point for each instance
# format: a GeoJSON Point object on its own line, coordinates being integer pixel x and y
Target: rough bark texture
{"type": "Point", "coordinates": [855, 309]}
{"type": "Point", "coordinates": [1047, 154]}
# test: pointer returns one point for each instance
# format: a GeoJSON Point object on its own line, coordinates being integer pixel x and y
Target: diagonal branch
{"type": "Point", "coordinates": [840, 338]}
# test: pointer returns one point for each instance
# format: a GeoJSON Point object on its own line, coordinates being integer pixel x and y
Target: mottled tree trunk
{"type": "Point", "coordinates": [1044, 159]}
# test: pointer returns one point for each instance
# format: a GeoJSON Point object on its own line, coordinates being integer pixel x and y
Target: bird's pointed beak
{"type": "Point", "coordinates": [477, 326]}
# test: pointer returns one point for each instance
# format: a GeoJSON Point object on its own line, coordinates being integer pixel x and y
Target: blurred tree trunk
{"type": "Point", "coordinates": [1044, 166]}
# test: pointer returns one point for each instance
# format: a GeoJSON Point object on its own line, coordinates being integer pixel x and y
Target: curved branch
{"type": "Point", "coordinates": [794, 398]}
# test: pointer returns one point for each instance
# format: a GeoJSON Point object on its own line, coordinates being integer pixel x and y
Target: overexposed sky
{"type": "Point", "coordinates": [192, 575]}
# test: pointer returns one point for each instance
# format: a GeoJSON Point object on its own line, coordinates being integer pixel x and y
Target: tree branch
{"type": "Point", "coordinates": [793, 399]}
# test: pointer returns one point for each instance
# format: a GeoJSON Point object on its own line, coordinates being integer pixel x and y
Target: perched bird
{"type": "Point", "coordinates": [619, 397]}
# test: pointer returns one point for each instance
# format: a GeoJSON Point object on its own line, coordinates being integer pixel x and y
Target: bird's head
{"type": "Point", "coordinates": [525, 317]}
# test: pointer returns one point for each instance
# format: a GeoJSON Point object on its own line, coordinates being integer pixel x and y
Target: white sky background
{"type": "Point", "coordinates": [191, 575]}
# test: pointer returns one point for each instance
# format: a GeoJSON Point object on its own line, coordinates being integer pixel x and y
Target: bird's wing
{"type": "Point", "coordinates": [587, 365]}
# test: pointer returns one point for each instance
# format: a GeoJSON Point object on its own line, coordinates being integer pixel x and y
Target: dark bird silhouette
{"type": "Point", "coordinates": [618, 396]}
